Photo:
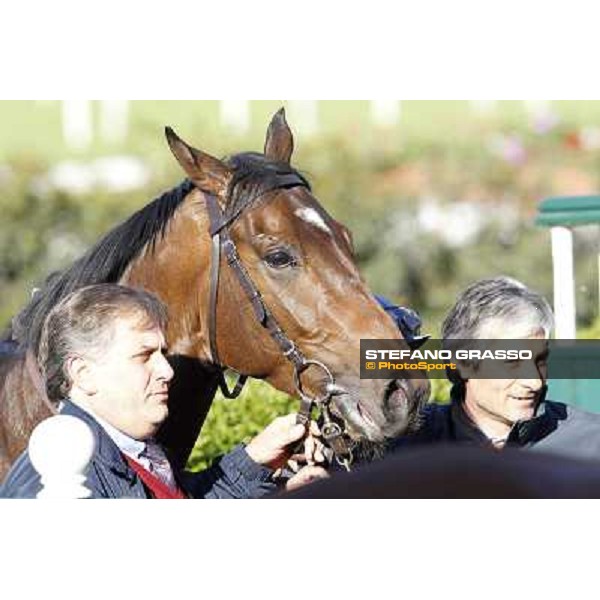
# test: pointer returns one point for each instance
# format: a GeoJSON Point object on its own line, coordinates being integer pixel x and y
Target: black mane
{"type": "Point", "coordinates": [253, 176]}
{"type": "Point", "coordinates": [107, 260]}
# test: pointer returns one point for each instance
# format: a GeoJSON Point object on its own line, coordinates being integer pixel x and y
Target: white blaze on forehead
{"type": "Point", "coordinates": [310, 215]}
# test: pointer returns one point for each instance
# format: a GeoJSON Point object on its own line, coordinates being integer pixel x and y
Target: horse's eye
{"type": "Point", "coordinates": [279, 259]}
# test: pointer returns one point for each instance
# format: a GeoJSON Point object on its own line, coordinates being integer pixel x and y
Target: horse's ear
{"type": "Point", "coordinates": [279, 144]}
{"type": "Point", "coordinates": [208, 173]}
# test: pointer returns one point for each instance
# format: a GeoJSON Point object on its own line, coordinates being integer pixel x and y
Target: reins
{"type": "Point", "coordinates": [221, 241]}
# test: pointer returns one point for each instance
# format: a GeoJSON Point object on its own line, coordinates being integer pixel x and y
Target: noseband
{"type": "Point", "coordinates": [332, 433]}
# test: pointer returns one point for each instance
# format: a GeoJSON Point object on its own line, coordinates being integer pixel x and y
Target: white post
{"type": "Point", "coordinates": [385, 113]}
{"type": "Point", "coordinates": [77, 123]}
{"type": "Point", "coordinates": [537, 107]}
{"type": "Point", "coordinates": [60, 450]}
{"type": "Point", "coordinates": [113, 120]}
{"type": "Point", "coordinates": [305, 116]}
{"type": "Point", "coordinates": [564, 282]}
{"type": "Point", "coordinates": [599, 284]}
{"type": "Point", "coordinates": [235, 114]}
{"type": "Point", "coordinates": [483, 106]}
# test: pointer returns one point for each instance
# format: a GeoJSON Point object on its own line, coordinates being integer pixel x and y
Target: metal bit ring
{"type": "Point", "coordinates": [298, 382]}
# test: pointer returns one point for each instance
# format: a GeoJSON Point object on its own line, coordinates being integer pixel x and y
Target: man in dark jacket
{"type": "Point", "coordinates": [514, 412]}
{"type": "Point", "coordinates": [103, 355]}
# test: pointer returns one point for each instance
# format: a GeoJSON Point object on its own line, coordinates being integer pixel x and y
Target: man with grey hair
{"type": "Point", "coordinates": [506, 412]}
{"type": "Point", "coordinates": [103, 356]}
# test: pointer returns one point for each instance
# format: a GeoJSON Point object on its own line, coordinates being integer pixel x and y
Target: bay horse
{"type": "Point", "coordinates": [301, 263]}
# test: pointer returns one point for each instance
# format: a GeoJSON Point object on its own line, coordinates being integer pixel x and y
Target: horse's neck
{"type": "Point", "coordinates": [176, 270]}
{"type": "Point", "coordinates": [180, 280]}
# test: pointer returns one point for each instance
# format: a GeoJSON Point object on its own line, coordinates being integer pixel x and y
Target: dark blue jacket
{"type": "Point", "coordinates": [234, 475]}
{"type": "Point", "coordinates": [556, 428]}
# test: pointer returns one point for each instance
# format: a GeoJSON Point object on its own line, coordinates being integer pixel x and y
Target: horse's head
{"type": "Point", "coordinates": [301, 261]}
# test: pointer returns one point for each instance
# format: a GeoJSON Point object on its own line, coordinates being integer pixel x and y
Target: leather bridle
{"type": "Point", "coordinates": [332, 434]}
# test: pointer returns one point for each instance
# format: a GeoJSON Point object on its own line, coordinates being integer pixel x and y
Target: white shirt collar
{"type": "Point", "coordinates": [126, 444]}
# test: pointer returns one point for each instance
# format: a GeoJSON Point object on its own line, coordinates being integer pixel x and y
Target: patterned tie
{"type": "Point", "coordinates": [158, 463]}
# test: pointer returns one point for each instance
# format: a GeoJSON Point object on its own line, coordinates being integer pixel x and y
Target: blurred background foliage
{"type": "Point", "coordinates": [441, 194]}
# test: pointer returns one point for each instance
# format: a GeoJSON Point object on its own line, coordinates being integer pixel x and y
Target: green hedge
{"type": "Point", "coordinates": [230, 422]}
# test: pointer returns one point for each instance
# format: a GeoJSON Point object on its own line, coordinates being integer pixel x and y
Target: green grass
{"type": "Point", "coordinates": [230, 422]}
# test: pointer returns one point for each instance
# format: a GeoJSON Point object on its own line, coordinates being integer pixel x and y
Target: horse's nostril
{"type": "Point", "coordinates": [395, 398]}
{"type": "Point", "coordinates": [392, 386]}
